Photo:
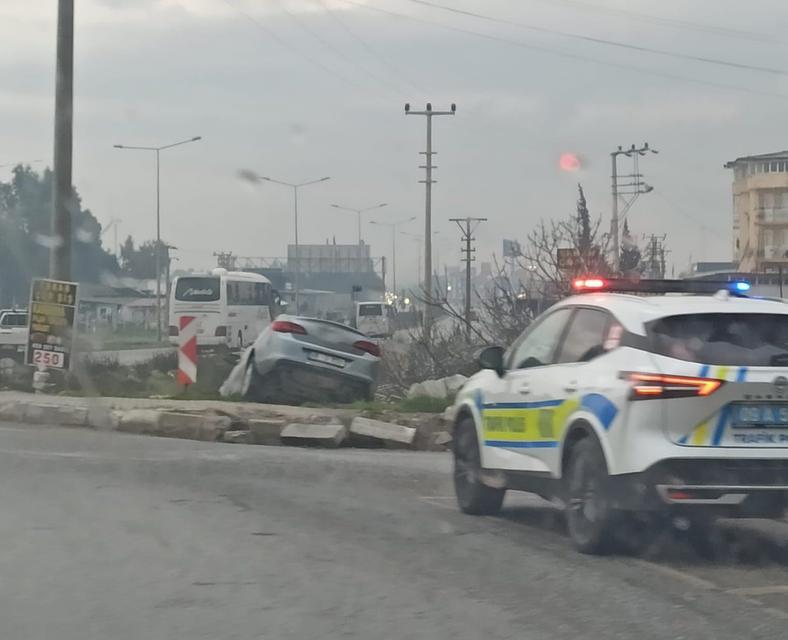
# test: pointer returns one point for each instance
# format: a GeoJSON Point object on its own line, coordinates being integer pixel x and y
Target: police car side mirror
{"type": "Point", "coordinates": [491, 358]}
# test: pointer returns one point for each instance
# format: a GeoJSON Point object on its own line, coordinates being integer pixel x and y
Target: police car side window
{"type": "Point", "coordinates": [585, 337]}
{"type": "Point", "coordinates": [537, 348]}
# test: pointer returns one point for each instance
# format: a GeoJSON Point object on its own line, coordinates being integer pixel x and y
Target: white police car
{"type": "Point", "coordinates": [620, 404]}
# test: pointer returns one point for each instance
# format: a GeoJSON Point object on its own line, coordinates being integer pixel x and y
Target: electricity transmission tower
{"type": "Point", "coordinates": [633, 189]}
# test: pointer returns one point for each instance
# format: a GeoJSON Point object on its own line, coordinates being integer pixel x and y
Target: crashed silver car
{"type": "Point", "coordinates": [298, 360]}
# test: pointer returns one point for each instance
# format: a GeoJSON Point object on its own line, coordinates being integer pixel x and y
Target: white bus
{"type": "Point", "coordinates": [231, 307]}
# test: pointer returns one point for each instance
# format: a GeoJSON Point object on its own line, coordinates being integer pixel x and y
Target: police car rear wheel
{"type": "Point", "coordinates": [589, 514]}
{"type": "Point", "coordinates": [473, 497]}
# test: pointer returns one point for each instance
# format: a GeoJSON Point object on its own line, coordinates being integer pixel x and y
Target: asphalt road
{"type": "Point", "coordinates": [112, 536]}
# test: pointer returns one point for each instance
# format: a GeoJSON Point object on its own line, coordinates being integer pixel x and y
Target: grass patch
{"type": "Point", "coordinates": [419, 404]}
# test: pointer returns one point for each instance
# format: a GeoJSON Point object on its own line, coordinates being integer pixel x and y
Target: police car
{"type": "Point", "coordinates": [625, 406]}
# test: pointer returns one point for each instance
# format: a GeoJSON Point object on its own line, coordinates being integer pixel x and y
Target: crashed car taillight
{"type": "Point", "coordinates": [284, 326]}
{"type": "Point", "coordinates": [368, 347]}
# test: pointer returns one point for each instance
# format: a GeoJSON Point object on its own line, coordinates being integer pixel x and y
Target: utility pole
{"type": "Point", "coordinates": [467, 227]}
{"type": "Point", "coordinates": [428, 182]}
{"type": "Point", "coordinates": [225, 260]}
{"type": "Point", "coordinates": [63, 194]}
{"type": "Point", "coordinates": [633, 188]}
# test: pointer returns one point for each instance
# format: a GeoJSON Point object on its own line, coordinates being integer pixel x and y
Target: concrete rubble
{"type": "Point", "coordinates": [383, 432]}
{"type": "Point", "coordinates": [324, 435]}
{"type": "Point", "coordinates": [440, 388]}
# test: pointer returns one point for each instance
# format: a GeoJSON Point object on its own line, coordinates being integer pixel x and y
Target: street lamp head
{"type": "Point", "coordinates": [429, 106]}
{"type": "Point", "coordinates": [324, 179]}
{"type": "Point", "coordinates": [453, 108]}
{"type": "Point", "coordinates": [196, 138]}
{"type": "Point", "coordinates": [118, 146]}
{"type": "Point", "coordinates": [407, 107]}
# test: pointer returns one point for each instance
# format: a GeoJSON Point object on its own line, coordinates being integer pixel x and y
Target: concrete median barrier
{"type": "Point", "coordinates": [386, 433]}
{"type": "Point", "coordinates": [315, 435]}
{"type": "Point", "coordinates": [56, 414]}
{"type": "Point", "coordinates": [266, 431]}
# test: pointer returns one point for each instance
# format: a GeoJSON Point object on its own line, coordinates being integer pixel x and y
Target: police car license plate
{"type": "Point", "coordinates": [760, 415]}
{"type": "Point", "coordinates": [326, 359]}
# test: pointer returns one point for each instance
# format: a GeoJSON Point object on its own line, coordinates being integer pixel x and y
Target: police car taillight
{"type": "Point", "coordinates": [646, 386]}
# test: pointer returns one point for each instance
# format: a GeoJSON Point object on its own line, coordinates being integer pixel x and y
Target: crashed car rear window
{"type": "Point", "coordinates": [198, 289]}
{"type": "Point", "coordinates": [740, 339]}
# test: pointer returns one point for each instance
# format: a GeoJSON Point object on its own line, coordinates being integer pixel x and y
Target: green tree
{"type": "Point", "coordinates": [140, 262]}
{"type": "Point", "coordinates": [630, 253]}
{"type": "Point", "coordinates": [25, 236]}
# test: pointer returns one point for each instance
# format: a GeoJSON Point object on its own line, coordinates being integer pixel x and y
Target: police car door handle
{"type": "Point", "coordinates": [570, 387]}
{"type": "Point", "coordinates": [524, 388]}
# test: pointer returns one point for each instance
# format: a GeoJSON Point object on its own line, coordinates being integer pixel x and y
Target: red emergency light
{"type": "Point", "coordinates": [588, 284]}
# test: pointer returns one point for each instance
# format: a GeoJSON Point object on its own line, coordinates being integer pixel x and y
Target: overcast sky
{"type": "Point", "coordinates": [300, 89]}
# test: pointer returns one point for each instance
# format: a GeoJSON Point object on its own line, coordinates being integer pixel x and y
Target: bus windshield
{"type": "Point", "coordinates": [199, 289]}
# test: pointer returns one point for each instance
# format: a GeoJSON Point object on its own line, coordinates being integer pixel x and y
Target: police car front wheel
{"type": "Point", "coordinates": [473, 496]}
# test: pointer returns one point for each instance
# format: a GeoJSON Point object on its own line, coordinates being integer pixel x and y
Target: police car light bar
{"type": "Point", "coordinates": [590, 284]}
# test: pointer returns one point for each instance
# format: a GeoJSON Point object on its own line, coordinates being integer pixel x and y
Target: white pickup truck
{"type": "Point", "coordinates": [13, 334]}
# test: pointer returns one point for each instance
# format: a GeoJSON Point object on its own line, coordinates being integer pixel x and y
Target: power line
{"type": "Point", "coordinates": [327, 44]}
{"type": "Point", "coordinates": [663, 21]}
{"type": "Point", "coordinates": [610, 43]}
{"type": "Point", "coordinates": [286, 44]}
{"type": "Point", "coordinates": [367, 47]}
{"type": "Point", "coordinates": [565, 54]}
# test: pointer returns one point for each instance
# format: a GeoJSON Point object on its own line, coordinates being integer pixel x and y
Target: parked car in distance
{"type": "Point", "coordinates": [297, 359]}
{"type": "Point", "coordinates": [13, 333]}
{"type": "Point", "coordinates": [374, 318]}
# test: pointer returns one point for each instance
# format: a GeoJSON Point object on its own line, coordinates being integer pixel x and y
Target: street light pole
{"type": "Point", "coordinates": [157, 252]}
{"type": "Point", "coordinates": [428, 181]}
{"type": "Point", "coordinates": [358, 212]}
{"type": "Point", "coordinates": [295, 187]}
{"type": "Point", "coordinates": [393, 226]}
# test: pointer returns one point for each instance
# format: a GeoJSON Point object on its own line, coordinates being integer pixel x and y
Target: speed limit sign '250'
{"type": "Point", "coordinates": [53, 306]}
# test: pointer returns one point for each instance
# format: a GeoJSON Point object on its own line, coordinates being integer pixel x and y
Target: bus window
{"type": "Point", "coordinates": [200, 289]}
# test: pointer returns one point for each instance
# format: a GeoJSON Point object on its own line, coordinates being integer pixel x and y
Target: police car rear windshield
{"type": "Point", "coordinates": [740, 339]}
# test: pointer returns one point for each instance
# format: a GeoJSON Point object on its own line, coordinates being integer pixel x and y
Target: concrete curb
{"type": "Point", "coordinates": [214, 424]}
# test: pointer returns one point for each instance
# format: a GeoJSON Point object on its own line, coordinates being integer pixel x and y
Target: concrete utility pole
{"type": "Point", "coordinates": [467, 227]}
{"type": "Point", "coordinates": [167, 278]}
{"type": "Point", "coordinates": [393, 226]}
{"type": "Point", "coordinates": [358, 212]}
{"type": "Point", "coordinates": [157, 257]}
{"type": "Point", "coordinates": [63, 193]}
{"type": "Point", "coordinates": [428, 181]}
{"type": "Point", "coordinates": [634, 188]}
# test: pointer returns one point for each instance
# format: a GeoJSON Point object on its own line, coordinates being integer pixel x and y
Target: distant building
{"type": "Point", "coordinates": [760, 211]}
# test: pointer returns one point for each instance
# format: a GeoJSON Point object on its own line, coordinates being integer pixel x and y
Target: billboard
{"type": "Point", "coordinates": [53, 305]}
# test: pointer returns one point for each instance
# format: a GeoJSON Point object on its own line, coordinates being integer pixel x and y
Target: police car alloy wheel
{"type": "Point", "coordinates": [589, 514]}
{"type": "Point", "coordinates": [473, 497]}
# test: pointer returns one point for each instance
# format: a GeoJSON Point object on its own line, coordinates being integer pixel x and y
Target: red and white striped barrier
{"type": "Point", "coordinates": [187, 350]}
